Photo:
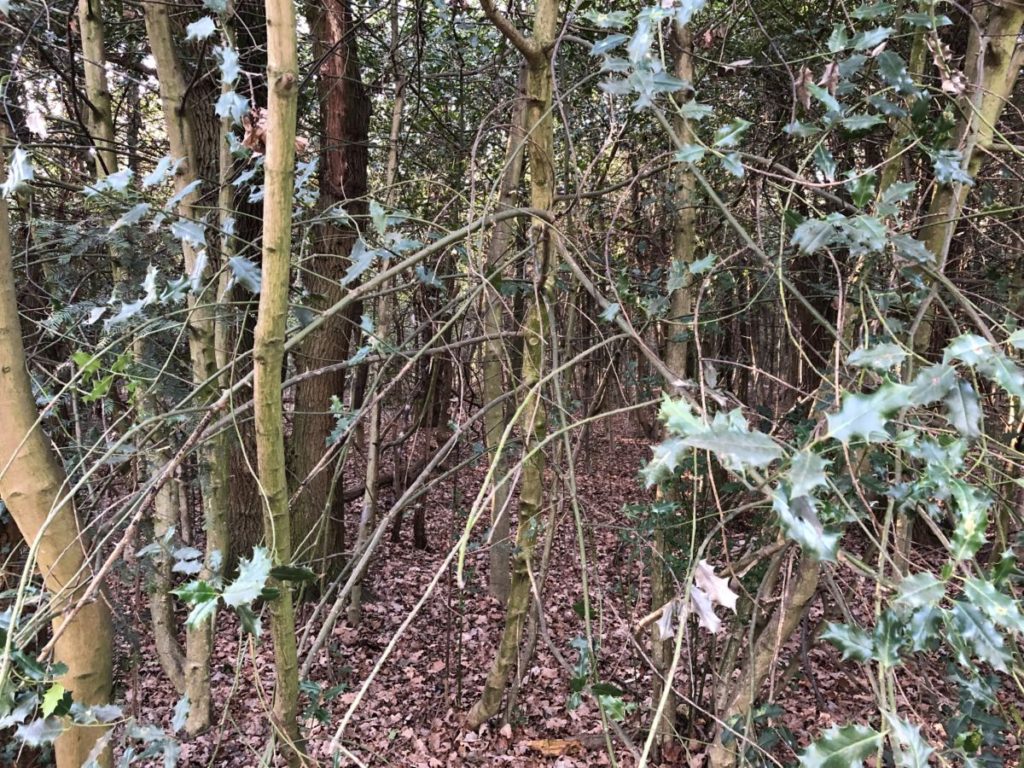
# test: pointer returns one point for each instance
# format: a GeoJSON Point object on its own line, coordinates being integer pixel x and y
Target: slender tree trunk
{"type": "Point", "coordinates": [318, 535]}
{"type": "Point", "coordinates": [180, 121]}
{"type": "Point", "coordinates": [993, 62]}
{"type": "Point", "coordinates": [165, 507]}
{"type": "Point", "coordinates": [34, 488]}
{"type": "Point", "coordinates": [268, 353]}
{"type": "Point", "coordinates": [540, 122]}
{"type": "Point", "coordinates": [368, 513]}
{"type": "Point", "coordinates": [495, 350]}
{"type": "Point", "coordinates": [677, 350]}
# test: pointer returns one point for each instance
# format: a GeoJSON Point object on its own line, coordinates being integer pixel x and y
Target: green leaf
{"type": "Point", "coordinates": [692, 110]}
{"type": "Point", "coordinates": [870, 38]}
{"type": "Point", "coordinates": [802, 525]}
{"type": "Point", "coordinates": [664, 462]}
{"type": "Point", "coordinates": [806, 472]}
{"type": "Point", "coordinates": [40, 732]}
{"type": "Point", "coordinates": [201, 29]}
{"type": "Point", "coordinates": [814, 234]}
{"type": "Point", "coordinates": [827, 99]}
{"type": "Point", "coordinates": [853, 641]}
{"type": "Point", "coordinates": [880, 357]}
{"type": "Point", "coordinates": [250, 622]}
{"type": "Point", "coordinates": [893, 70]}
{"type": "Point", "coordinates": [923, 628]}
{"type": "Point", "coordinates": [865, 415]}
{"type": "Point", "coordinates": [962, 409]}
{"type": "Point", "coordinates": [872, 11]}
{"type": "Point", "coordinates": [732, 164]}
{"type": "Point", "coordinates": [379, 217]}
{"type": "Point", "coordinates": [700, 266]}
{"type": "Point", "coordinates": [927, 20]}
{"type": "Point", "coordinates": [181, 710]}
{"type": "Point", "coordinates": [838, 40]}
{"type": "Point", "coordinates": [200, 613]}
{"type": "Point", "coordinates": [292, 573]}
{"type": "Point", "coordinates": [889, 636]}
{"type": "Point", "coordinates": [912, 249]}
{"type": "Point", "coordinates": [689, 153]}
{"type": "Point", "coordinates": [611, 312]}
{"type": "Point", "coordinates": [729, 135]}
{"type": "Point", "coordinates": [969, 348]}
{"type": "Point", "coordinates": [858, 123]}
{"type": "Point", "coordinates": [980, 633]}
{"type": "Point", "coordinates": [861, 187]}
{"type": "Point", "coordinates": [972, 519]}
{"type": "Point", "coordinates": [1004, 372]}
{"type": "Point", "coordinates": [920, 590]}
{"type": "Point", "coordinates": [896, 193]}
{"type": "Point", "coordinates": [948, 167]}
{"type": "Point", "coordinates": [909, 749]}
{"type": "Point", "coordinates": [845, 747]}
{"type": "Point", "coordinates": [52, 699]}
{"type": "Point", "coordinates": [736, 448]}
{"type": "Point", "coordinates": [606, 44]}
{"type": "Point", "coordinates": [361, 257]}
{"type": "Point", "coordinates": [195, 592]}
{"type": "Point", "coordinates": [252, 577]}
{"type": "Point", "coordinates": [679, 417]}
{"type": "Point", "coordinates": [245, 273]}
{"type": "Point", "coordinates": [825, 161]}
{"type": "Point", "coordinates": [999, 607]}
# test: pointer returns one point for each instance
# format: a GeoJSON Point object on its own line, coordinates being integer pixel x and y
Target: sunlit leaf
{"type": "Point", "coordinates": [845, 747]}
{"type": "Point", "coordinates": [252, 577]}
{"type": "Point", "coordinates": [200, 29]}
{"type": "Point", "coordinates": [880, 357]}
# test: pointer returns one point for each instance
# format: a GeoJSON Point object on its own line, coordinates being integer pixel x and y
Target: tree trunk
{"type": "Point", "coordinates": [494, 350]}
{"type": "Point", "coordinates": [318, 534]}
{"type": "Point", "coordinates": [268, 354]}
{"type": "Point", "coordinates": [180, 123]}
{"type": "Point", "coordinates": [34, 488]}
{"type": "Point", "coordinates": [540, 129]}
{"type": "Point", "coordinates": [993, 63]}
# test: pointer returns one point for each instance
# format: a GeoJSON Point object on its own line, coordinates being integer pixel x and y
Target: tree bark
{"type": "Point", "coordinates": [318, 535]}
{"type": "Point", "coordinates": [540, 129]}
{"type": "Point", "coordinates": [268, 354]}
{"type": "Point", "coordinates": [180, 124]}
{"type": "Point", "coordinates": [495, 350]}
{"type": "Point", "coordinates": [34, 488]}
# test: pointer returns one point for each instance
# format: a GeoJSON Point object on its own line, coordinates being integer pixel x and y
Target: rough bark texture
{"type": "Point", "coordinates": [495, 352]}
{"type": "Point", "coordinates": [188, 131]}
{"type": "Point", "coordinates": [993, 62]}
{"type": "Point", "coordinates": [268, 354]}
{"type": "Point", "coordinates": [33, 486]}
{"type": "Point", "coordinates": [318, 532]}
{"type": "Point", "coordinates": [540, 129]}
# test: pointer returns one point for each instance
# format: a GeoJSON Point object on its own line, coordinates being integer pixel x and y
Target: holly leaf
{"type": "Point", "coordinates": [806, 472]}
{"type": "Point", "coordinates": [705, 611]}
{"type": "Point", "coordinates": [909, 750]}
{"type": "Point", "coordinates": [972, 519]}
{"type": "Point", "coordinates": [361, 257]}
{"type": "Point", "coordinates": [252, 577]}
{"type": "Point", "coordinates": [999, 607]}
{"type": "Point", "coordinates": [880, 357]}
{"type": "Point", "coordinates": [865, 415]}
{"type": "Point", "coordinates": [853, 641]}
{"type": "Point", "coordinates": [962, 409]}
{"type": "Point", "coordinates": [716, 588]}
{"type": "Point", "coordinates": [245, 273]}
{"type": "Point", "coordinates": [920, 590]}
{"type": "Point", "coordinates": [980, 634]}
{"type": "Point", "coordinates": [845, 747]}
{"type": "Point", "coordinates": [41, 731]}
{"type": "Point", "coordinates": [200, 29]}
{"type": "Point", "coordinates": [181, 710]}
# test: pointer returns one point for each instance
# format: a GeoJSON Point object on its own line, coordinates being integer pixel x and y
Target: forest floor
{"type": "Point", "coordinates": [412, 712]}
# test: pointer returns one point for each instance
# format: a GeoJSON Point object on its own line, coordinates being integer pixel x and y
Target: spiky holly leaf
{"type": "Point", "coordinates": [679, 417]}
{"type": "Point", "coordinates": [966, 623]}
{"type": "Point", "coordinates": [920, 589]}
{"type": "Point", "coordinates": [972, 519]}
{"type": "Point", "coordinates": [865, 415]}
{"type": "Point", "coordinates": [705, 611]}
{"type": "Point", "coordinates": [845, 747]}
{"type": "Point", "coordinates": [802, 525]}
{"type": "Point", "coordinates": [962, 409]}
{"type": "Point", "coordinates": [880, 357]}
{"type": "Point", "coordinates": [736, 449]}
{"type": "Point", "coordinates": [853, 641]}
{"type": "Point", "coordinates": [716, 587]}
{"type": "Point", "coordinates": [806, 472]}
{"type": "Point", "coordinates": [889, 636]}
{"type": "Point", "coordinates": [664, 462]}
{"type": "Point", "coordinates": [999, 607]}
{"type": "Point", "coordinates": [969, 347]}
{"type": "Point", "coordinates": [252, 577]}
{"type": "Point", "coordinates": [909, 749]}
